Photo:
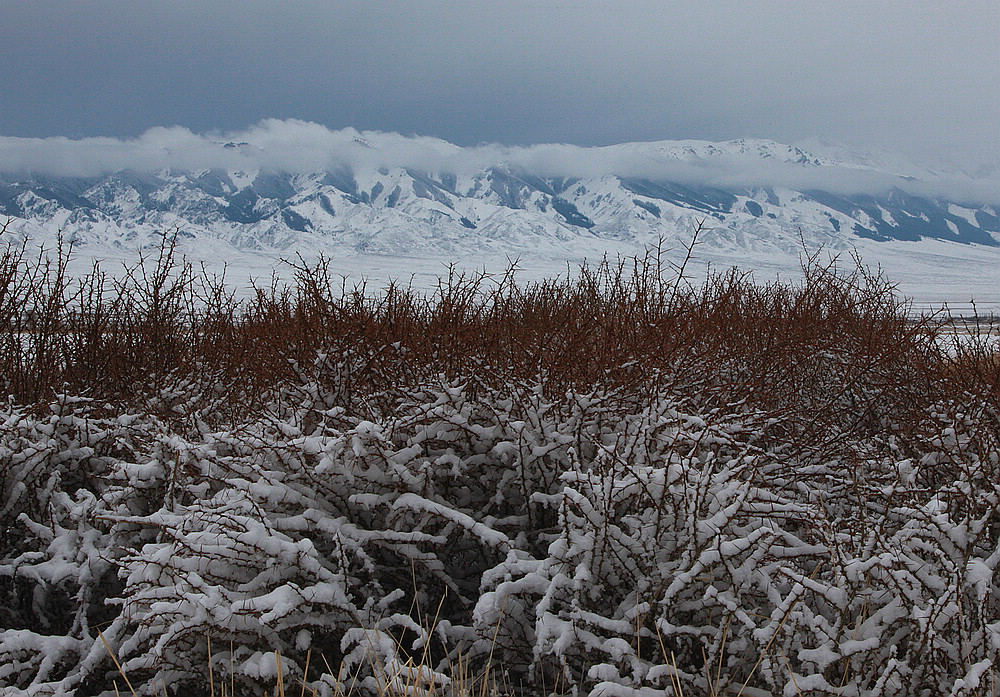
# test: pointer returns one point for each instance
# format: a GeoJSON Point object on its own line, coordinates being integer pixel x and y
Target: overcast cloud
{"type": "Point", "coordinates": [919, 78]}
{"type": "Point", "coordinates": [302, 147]}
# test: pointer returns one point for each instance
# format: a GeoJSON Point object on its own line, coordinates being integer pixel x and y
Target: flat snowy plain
{"type": "Point", "coordinates": [930, 273]}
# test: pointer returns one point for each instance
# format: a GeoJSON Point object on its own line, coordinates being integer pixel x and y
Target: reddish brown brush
{"type": "Point", "coordinates": [162, 332]}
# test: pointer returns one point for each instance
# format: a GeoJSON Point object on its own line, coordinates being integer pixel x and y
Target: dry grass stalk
{"type": "Point", "coordinates": [117, 664]}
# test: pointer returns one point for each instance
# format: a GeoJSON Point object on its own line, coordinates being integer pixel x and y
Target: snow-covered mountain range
{"type": "Point", "coordinates": [351, 194]}
{"type": "Point", "coordinates": [507, 206]}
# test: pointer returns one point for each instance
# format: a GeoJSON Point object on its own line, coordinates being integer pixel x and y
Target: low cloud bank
{"type": "Point", "coordinates": [299, 146]}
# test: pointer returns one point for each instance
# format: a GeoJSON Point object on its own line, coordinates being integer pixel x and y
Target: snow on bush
{"type": "Point", "coordinates": [607, 540]}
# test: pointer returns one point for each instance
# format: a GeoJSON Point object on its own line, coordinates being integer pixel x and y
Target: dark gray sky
{"type": "Point", "coordinates": [919, 78]}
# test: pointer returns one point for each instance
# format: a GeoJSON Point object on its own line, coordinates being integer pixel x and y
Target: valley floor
{"type": "Point", "coordinates": [933, 274]}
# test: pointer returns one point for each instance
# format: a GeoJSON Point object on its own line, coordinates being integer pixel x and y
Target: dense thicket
{"type": "Point", "coordinates": [610, 483]}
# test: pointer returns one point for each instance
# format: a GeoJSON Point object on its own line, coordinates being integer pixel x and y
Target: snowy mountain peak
{"type": "Point", "coordinates": [384, 193]}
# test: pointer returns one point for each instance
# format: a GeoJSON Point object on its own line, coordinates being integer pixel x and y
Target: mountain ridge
{"type": "Point", "coordinates": [476, 200]}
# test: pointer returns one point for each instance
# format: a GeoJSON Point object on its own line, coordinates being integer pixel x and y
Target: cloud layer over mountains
{"type": "Point", "coordinates": [300, 146]}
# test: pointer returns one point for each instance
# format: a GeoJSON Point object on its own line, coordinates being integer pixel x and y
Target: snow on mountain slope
{"type": "Point", "coordinates": [385, 194]}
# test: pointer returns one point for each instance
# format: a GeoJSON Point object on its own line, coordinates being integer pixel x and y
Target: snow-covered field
{"type": "Point", "coordinates": [931, 273]}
